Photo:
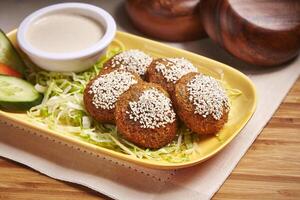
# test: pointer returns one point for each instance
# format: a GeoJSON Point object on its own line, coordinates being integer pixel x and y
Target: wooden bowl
{"type": "Point", "coordinates": [261, 32]}
{"type": "Point", "coordinates": [170, 20]}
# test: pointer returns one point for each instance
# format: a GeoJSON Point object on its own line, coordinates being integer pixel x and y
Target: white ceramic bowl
{"type": "Point", "coordinates": [74, 61]}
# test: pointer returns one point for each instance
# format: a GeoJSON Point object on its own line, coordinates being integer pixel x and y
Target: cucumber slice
{"type": "Point", "coordinates": [9, 55]}
{"type": "Point", "coordinates": [17, 94]}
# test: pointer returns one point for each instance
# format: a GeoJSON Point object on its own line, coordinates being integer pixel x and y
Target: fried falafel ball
{"type": "Point", "coordinates": [167, 71]}
{"type": "Point", "coordinates": [145, 116]}
{"type": "Point", "coordinates": [102, 92]}
{"type": "Point", "coordinates": [132, 60]}
{"type": "Point", "coordinates": [201, 103]}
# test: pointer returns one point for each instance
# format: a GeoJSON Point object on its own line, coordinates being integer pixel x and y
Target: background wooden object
{"type": "Point", "coordinates": [170, 20]}
{"type": "Point", "coordinates": [261, 32]}
{"type": "Point", "coordinates": [269, 170]}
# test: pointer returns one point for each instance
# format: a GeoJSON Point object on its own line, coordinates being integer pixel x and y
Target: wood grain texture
{"type": "Point", "coordinates": [170, 20]}
{"type": "Point", "coordinates": [269, 170]}
{"type": "Point", "coordinates": [260, 32]}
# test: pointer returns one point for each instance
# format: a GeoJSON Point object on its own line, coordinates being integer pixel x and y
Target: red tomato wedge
{"type": "Point", "coordinates": [6, 70]}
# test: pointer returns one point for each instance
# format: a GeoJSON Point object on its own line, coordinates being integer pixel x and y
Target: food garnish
{"type": "Point", "coordinates": [152, 110]}
{"type": "Point", "coordinates": [9, 55]}
{"type": "Point", "coordinates": [6, 70]}
{"type": "Point", "coordinates": [17, 94]}
{"type": "Point", "coordinates": [174, 68]}
{"type": "Point", "coordinates": [131, 60]}
{"type": "Point", "coordinates": [208, 97]}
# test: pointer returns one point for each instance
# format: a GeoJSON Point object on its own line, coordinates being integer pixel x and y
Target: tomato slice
{"type": "Point", "coordinates": [6, 70]}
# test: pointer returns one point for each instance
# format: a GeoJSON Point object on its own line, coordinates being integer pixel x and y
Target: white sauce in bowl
{"type": "Point", "coordinates": [64, 33]}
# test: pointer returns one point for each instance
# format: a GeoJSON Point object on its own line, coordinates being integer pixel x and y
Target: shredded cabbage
{"type": "Point", "coordinates": [62, 110]}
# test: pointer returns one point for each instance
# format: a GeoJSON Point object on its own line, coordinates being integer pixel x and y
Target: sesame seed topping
{"type": "Point", "coordinates": [108, 87]}
{"type": "Point", "coordinates": [132, 60]}
{"type": "Point", "coordinates": [174, 68]}
{"type": "Point", "coordinates": [152, 110]}
{"type": "Point", "coordinates": [207, 95]}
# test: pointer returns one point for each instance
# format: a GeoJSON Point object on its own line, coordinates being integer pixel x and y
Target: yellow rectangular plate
{"type": "Point", "coordinates": [242, 107]}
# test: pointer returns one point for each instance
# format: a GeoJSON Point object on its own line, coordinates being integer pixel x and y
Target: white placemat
{"type": "Point", "coordinates": [122, 180]}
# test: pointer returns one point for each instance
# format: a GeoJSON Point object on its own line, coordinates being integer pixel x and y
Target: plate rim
{"type": "Point", "coordinates": [118, 155]}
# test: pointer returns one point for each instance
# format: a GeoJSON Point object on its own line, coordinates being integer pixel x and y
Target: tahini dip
{"type": "Point", "coordinates": [64, 33]}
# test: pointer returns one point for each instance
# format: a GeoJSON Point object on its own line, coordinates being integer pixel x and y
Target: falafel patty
{"type": "Point", "coordinates": [201, 103]}
{"type": "Point", "coordinates": [145, 116]}
{"type": "Point", "coordinates": [132, 60]}
{"type": "Point", "coordinates": [101, 93]}
{"type": "Point", "coordinates": [167, 71]}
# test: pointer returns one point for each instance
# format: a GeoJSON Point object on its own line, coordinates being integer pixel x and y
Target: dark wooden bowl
{"type": "Point", "coordinates": [170, 20]}
{"type": "Point", "coordinates": [261, 32]}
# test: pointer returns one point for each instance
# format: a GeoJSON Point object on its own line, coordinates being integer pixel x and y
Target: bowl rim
{"type": "Point", "coordinates": [110, 26]}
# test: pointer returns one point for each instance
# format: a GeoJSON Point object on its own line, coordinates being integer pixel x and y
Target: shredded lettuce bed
{"type": "Point", "coordinates": [62, 110]}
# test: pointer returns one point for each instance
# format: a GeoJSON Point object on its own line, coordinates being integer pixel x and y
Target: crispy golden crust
{"type": "Point", "coordinates": [154, 76]}
{"type": "Point", "coordinates": [185, 110]}
{"type": "Point", "coordinates": [99, 114]}
{"type": "Point", "coordinates": [107, 66]}
{"type": "Point", "coordinates": [131, 130]}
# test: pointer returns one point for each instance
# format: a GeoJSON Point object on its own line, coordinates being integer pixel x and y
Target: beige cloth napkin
{"type": "Point", "coordinates": [121, 180]}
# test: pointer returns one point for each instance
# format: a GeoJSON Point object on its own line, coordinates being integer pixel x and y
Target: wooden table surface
{"type": "Point", "coordinates": [269, 170]}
